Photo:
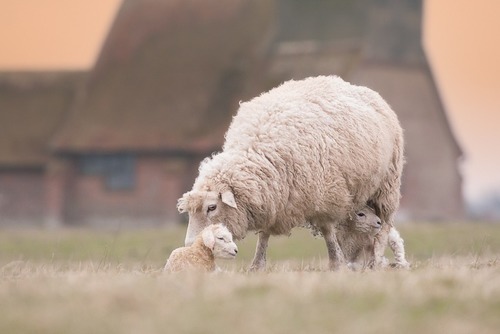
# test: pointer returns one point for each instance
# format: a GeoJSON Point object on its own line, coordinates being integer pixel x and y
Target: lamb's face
{"type": "Point", "coordinates": [205, 208]}
{"type": "Point", "coordinates": [218, 238]}
{"type": "Point", "coordinates": [366, 221]}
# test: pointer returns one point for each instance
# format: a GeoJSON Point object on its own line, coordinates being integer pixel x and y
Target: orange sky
{"type": "Point", "coordinates": [462, 40]}
{"type": "Point", "coordinates": [40, 34]}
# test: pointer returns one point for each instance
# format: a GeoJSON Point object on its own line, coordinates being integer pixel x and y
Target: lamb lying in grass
{"type": "Point", "coordinates": [215, 241]}
{"type": "Point", "coordinates": [356, 238]}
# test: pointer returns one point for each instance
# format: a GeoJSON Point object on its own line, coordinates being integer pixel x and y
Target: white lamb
{"type": "Point", "coordinates": [215, 241]}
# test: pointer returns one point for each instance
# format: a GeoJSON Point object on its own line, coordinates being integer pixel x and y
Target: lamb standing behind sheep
{"type": "Point", "coordinates": [215, 241]}
{"type": "Point", "coordinates": [356, 238]}
{"type": "Point", "coordinates": [310, 150]}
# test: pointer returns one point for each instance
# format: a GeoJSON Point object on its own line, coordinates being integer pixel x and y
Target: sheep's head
{"type": "Point", "coordinates": [366, 221]}
{"type": "Point", "coordinates": [218, 238]}
{"type": "Point", "coordinates": [209, 207]}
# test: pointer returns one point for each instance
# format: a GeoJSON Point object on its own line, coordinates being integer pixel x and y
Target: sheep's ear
{"type": "Point", "coordinates": [228, 198]}
{"type": "Point", "coordinates": [182, 203]}
{"type": "Point", "coordinates": [208, 238]}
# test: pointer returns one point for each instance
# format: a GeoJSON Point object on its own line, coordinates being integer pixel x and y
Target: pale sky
{"type": "Point", "coordinates": [461, 38]}
{"type": "Point", "coordinates": [462, 41]}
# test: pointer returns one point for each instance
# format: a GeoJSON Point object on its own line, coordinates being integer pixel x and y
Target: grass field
{"type": "Point", "coordinates": [81, 281]}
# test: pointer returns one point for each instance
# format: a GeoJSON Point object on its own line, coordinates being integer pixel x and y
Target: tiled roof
{"type": "Point", "coordinates": [32, 105]}
{"type": "Point", "coordinates": [168, 76]}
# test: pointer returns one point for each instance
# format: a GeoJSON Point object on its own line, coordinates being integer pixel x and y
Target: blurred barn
{"type": "Point", "coordinates": [120, 144]}
{"type": "Point", "coordinates": [378, 44]}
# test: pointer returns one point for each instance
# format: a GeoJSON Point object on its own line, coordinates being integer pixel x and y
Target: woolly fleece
{"type": "Point", "coordinates": [310, 150]}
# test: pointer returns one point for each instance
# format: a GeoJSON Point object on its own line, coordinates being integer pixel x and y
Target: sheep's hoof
{"type": "Point", "coordinates": [337, 266]}
{"type": "Point", "coordinates": [253, 269]}
{"type": "Point", "coordinates": [257, 267]}
{"type": "Point", "coordinates": [355, 266]}
{"type": "Point", "coordinates": [396, 265]}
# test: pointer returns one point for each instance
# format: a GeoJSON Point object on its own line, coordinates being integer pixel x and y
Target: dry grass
{"type": "Point", "coordinates": [89, 282]}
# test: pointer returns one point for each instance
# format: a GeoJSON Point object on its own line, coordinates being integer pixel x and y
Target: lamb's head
{"type": "Point", "coordinates": [210, 207]}
{"type": "Point", "coordinates": [366, 221]}
{"type": "Point", "coordinates": [218, 238]}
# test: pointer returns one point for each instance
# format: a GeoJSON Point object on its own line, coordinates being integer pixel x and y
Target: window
{"type": "Point", "coordinates": [117, 170]}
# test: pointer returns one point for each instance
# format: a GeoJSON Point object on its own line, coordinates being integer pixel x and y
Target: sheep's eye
{"type": "Point", "coordinates": [211, 207]}
{"type": "Point", "coordinates": [361, 214]}
{"type": "Point", "coordinates": [220, 238]}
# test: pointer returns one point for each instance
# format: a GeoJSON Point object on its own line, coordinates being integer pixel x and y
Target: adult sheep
{"type": "Point", "coordinates": [313, 150]}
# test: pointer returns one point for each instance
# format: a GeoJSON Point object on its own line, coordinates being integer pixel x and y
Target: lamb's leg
{"type": "Point", "coordinates": [259, 259]}
{"type": "Point", "coordinates": [335, 255]}
{"type": "Point", "coordinates": [398, 248]}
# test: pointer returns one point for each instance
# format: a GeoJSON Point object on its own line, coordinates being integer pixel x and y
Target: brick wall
{"type": "Point", "coordinates": [22, 198]}
{"type": "Point", "coordinates": [158, 183]}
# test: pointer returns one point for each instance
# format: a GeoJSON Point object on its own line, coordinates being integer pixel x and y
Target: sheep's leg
{"type": "Point", "coordinates": [381, 240]}
{"type": "Point", "coordinates": [386, 202]}
{"type": "Point", "coordinates": [259, 259]}
{"type": "Point", "coordinates": [335, 255]}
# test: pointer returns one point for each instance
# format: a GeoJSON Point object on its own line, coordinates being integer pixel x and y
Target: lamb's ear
{"type": "Point", "coordinates": [228, 198]}
{"type": "Point", "coordinates": [182, 203]}
{"type": "Point", "coordinates": [208, 238]}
